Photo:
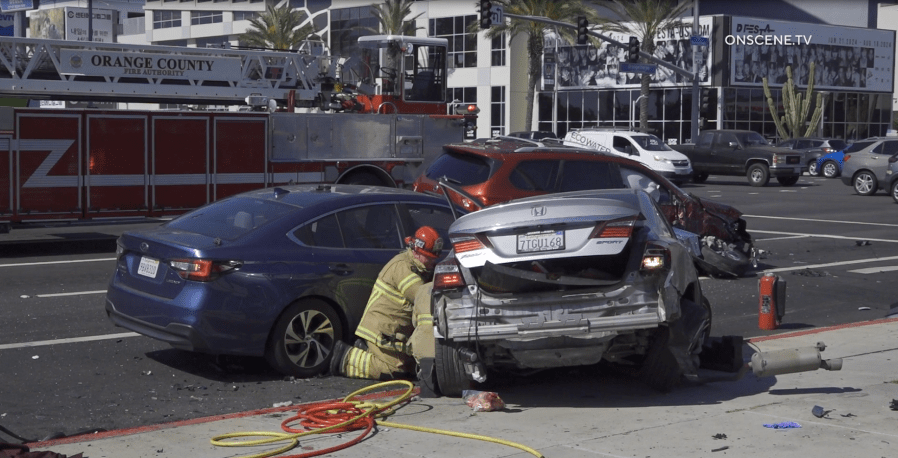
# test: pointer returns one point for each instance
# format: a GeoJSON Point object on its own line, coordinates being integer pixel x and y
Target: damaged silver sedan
{"type": "Point", "coordinates": [564, 280]}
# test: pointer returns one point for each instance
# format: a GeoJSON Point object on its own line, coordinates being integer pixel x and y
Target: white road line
{"type": "Point", "coordinates": [77, 293]}
{"type": "Point", "coordinates": [55, 262]}
{"type": "Point", "coordinates": [42, 343]}
{"type": "Point", "coordinates": [784, 238]}
{"type": "Point", "coordinates": [875, 270]}
{"type": "Point", "coordinates": [821, 220]}
{"type": "Point", "coordinates": [832, 264]}
{"type": "Point", "coordinates": [824, 236]}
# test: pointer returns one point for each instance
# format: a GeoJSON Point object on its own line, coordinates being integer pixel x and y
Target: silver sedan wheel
{"type": "Point", "coordinates": [830, 169]}
{"type": "Point", "coordinates": [895, 191]}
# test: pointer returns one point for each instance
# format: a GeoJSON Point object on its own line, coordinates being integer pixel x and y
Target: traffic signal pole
{"type": "Point", "coordinates": [695, 89]}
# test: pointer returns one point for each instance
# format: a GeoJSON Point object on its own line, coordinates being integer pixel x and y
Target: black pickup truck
{"type": "Point", "coordinates": [741, 152]}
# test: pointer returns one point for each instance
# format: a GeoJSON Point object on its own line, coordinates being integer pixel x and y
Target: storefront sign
{"type": "Point", "coordinates": [16, 5]}
{"type": "Point", "coordinates": [77, 25]}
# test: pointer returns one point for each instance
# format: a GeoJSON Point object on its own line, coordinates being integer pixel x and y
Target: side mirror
{"type": "Point", "coordinates": [734, 145]}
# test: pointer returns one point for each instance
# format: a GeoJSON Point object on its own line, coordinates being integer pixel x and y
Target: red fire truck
{"type": "Point", "coordinates": [318, 119]}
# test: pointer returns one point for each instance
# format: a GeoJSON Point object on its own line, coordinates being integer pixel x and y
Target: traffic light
{"type": "Point", "coordinates": [485, 20]}
{"type": "Point", "coordinates": [633, 50]}
{"type": "Point", "coordinates": [582, 30]}
{"type": "Point", "coordinates": [466, 109]}
{"type": "Point", "coordinates": [705, 101]}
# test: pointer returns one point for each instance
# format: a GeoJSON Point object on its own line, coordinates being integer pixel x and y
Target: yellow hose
{"type": "Point", "coordinates": [380, 410]}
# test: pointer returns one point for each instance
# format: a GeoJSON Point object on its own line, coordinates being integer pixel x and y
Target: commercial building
{"type": "Point", "coordinates": [854, 60]}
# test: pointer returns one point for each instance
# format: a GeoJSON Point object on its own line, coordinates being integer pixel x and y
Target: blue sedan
{"type": "Point", "coordinates": [281, 272]}
{"type": "Point", "coordinates": [830, 164]}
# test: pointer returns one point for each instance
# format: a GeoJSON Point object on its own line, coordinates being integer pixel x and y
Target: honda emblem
{"type": "Point", "coordinates": [538, 211]}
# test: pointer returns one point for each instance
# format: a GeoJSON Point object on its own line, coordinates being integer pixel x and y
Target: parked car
{"type": "Point", "coordinates": [830, 164]}
{"type": "Point", "coordinates": [813, 148]}
{"type": "Point", "coordinates": [741, 152]}
{"type": "Point", "coordinates": [534, 135]}
{"type": "Point", "coordinates": [564, 280]}
{"type": "Point", "coordinates": [639, 146]}
{"type": "Point", "coordinates": [892, 178]}
{"type": "Point", "coordinates": [489, 172]}
{"type": "Point", "coordinates": [281, 272]}
{"type": "Point", "coordinates": [865, 168]}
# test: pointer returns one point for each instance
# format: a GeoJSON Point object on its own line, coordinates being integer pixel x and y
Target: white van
{"type": "Point", "coordinates": [638, 146]}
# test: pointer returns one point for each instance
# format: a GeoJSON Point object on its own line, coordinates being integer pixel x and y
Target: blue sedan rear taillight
{"type": "Point", "coordinates": [201, 269]}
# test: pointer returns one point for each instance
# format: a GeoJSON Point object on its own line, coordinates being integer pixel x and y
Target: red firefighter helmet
{"type": "Point", "coordinates": [426, 242]}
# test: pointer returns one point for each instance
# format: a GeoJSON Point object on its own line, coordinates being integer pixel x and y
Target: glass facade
{"type": "Point", "coordinates": [497, 111]}
{"type": "Point", "coordinates": [462, 45]}
{"type": "Point", "coordinates": [846, 115]}
{"type": "Point", "coordinates": [347, 25]}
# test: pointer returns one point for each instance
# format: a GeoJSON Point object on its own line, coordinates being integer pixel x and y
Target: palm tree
{"type": "Point", "coordinates": [392, 19]}
{"type": "Point", "coordinates": [278, 29]}
{"type": "Point", "coordinates": [562, 11]}
{"type": "Point", "coordinates": [644, 19]}
{"type": "Point", "coordinates": [391, 16]}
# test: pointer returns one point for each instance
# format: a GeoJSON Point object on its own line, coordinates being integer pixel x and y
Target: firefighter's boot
{"type": "Point", "coordinates": [338, 359]}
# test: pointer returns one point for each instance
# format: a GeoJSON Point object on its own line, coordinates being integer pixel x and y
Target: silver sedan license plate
{"type": "Point", "coordinates": [535, 242]}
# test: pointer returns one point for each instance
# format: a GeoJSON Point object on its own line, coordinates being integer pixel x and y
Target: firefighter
{"type": "Point", "coordinates": [399, 302]}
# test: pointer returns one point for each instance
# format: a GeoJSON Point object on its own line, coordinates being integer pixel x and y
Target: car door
{"type": "Point", "coordinates": [730, 159]}
{"type": "Point", "coordinates": [889, 149]}
{"type": "Point", "coordinates": [701, 153]}
{"type": "Point", "coordinates": [348, 248]}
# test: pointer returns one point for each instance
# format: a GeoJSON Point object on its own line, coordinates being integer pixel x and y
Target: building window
{"type": "Point", "coordinates": [462, 45]}
{"type": "Point", "coordinates": [464, 95]}
{"type": "Point", "coordinates": [205, 17]}
{"type": "Point", "coordinates": [497, 111]}
{"type": "Point", "coordinates": [165, 19]}
{"type": "Point", "coordinates": [497, 56]}
{"type": "Point", "coordinates": [245, 15]}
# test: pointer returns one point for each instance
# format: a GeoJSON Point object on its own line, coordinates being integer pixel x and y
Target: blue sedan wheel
{"type": "Point", "coordinates": [830, 169]}
{"type": "Point", "coordinates": [303, 339]}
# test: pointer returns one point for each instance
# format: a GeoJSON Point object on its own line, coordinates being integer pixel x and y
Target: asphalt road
{"type": "Point", "coordinates": [66, 369]}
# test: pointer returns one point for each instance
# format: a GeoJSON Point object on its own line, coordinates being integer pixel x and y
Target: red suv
{"type": "Point", "coordinates": [492, 171]}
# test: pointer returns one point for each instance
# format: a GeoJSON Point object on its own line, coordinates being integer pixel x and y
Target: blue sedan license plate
{"type": "Point", "coordinates": [148, 267]}
{"type": "Point", "coordinates": [535, 242]}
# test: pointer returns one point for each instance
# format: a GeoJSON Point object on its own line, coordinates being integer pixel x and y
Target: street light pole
{"type": "Point", "coordinates": [695, 75]}
{"type": "Point", "coordinates": [633, 111]}
{"type": "Point", "coordinates": [90, 20]}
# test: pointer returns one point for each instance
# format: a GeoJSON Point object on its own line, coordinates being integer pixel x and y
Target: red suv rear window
{"type": "Point", "coordinates": [460, 168]}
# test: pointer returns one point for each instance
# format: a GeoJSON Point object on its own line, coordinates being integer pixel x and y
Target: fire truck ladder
{"type": "Point", "coordinates": [91, 71]}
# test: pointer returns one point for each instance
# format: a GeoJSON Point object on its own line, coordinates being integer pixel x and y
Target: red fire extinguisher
{"type": "Point", "coordinates": [772, 303]}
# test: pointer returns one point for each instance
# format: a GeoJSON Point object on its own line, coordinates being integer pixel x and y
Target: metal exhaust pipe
{"type": "Point", "coordinates": [790, 361]}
